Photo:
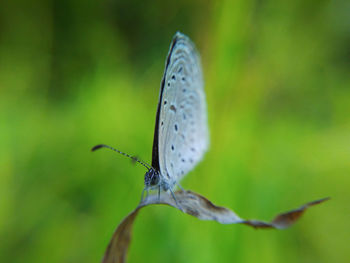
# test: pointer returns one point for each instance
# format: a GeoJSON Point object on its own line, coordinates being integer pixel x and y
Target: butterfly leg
{"type": "Point", "coordinates": [143, 193]}
{"type": "Point", "coordinates": [159, 194]}
{"type": "Point", "coordinates": [182, 189]}
{"type": "Point", "coordinates": [177, 204]}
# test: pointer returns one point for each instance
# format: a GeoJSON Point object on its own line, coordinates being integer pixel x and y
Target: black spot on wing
{"type": "Point", "coordinates": [173, 108]}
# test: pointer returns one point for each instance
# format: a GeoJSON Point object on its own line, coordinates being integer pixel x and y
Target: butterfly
{"type": "Point", "coordinates": [181, 135]}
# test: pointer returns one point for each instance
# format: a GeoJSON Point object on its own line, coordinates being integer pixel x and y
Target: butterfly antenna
{"type": "Point", "coordinates": [125, 154]}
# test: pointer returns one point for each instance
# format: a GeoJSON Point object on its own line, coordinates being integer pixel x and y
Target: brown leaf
{"type": "Point", "coordinates": [200, 207]}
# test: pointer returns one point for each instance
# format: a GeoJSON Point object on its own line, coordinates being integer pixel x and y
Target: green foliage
{"type": "Point", "coordinates": [74, 74]}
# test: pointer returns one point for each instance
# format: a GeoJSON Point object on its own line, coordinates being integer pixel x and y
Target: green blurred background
{"type": "Point", "coordinates": [74, 74]}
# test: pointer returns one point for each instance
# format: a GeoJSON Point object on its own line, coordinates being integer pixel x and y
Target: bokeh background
{"type": "Point", "coordinates": [74, 74]}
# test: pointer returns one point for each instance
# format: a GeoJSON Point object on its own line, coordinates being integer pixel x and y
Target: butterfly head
{"type": "Point", "coordinates": [152, 178]}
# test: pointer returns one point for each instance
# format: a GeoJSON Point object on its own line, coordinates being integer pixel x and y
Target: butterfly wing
{"type": "Point", "coordinates": [181, 133]}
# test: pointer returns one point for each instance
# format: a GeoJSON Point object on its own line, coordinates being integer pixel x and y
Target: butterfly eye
{"type": "Point", "coordinates": [151, 178]}
{"type": "Point", "coordinates": [154, 179]}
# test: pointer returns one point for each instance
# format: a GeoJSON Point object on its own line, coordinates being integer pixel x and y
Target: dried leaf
{"type": "Point", "coordinates": [200, 207]}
